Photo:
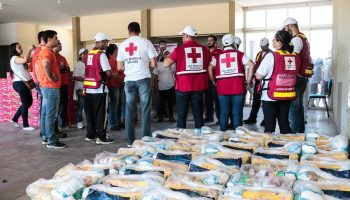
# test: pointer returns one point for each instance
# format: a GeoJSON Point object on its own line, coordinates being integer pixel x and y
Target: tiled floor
{"type": "Point", "coordinates": [23, 159]}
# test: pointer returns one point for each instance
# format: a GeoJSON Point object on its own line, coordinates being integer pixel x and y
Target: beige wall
{"type": "Point", "coordinates": [114, 25]}
{"type": "Point", "coordinates": [7, 33]}
{"type": "Point", "coordinates": [26, 35]}
{"type": "Point", "coordinates": [213, 18]}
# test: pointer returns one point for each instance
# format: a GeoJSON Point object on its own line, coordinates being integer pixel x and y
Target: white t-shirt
{"type": "Point", "coordinates": [265, 69]}
{"type": "Point", "coordinates": [166, 78]}
{"type": "Point", "coordinates": [19, 73]}
{"type": "Point", "coordinates": [79, 71]}
{"type": "Point", "coordinates": [105, 67]}
{"type": "Point", "coordinates": [327, 69]}
{"type": "Point", "coordinates": [298, 44]}
{"type": "Point", "coordinates": [136, 53]}
{"type": "Point", "coordinates": [245, 58]}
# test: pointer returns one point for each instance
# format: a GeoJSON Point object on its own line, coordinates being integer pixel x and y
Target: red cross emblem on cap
{"type": "Point", "coordinates": [131, 49]}
{"type": "Point", "coordinates": [228, 60]}
{"type": "Point", "coordinates": [194, 55]}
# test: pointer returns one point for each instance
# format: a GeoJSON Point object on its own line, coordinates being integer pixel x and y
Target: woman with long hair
{"type": "Point", "coordinates": [20, 76]}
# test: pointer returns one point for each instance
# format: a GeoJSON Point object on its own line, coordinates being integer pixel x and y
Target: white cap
{"type": "Point", "coordinates": [237, 40]}
{"type": "Point", "coordinates": [82, 50]}
{"type": "Point", "coordinates": [228, 39]}
{"type": "Point", "coordinates": [264, 41]}
{"type": "Point", "coordinates": [287, 21]}
{"type": "Point", "coordinates": [189, 30]}
{"type": "Point", "coordinates": [101, 36]}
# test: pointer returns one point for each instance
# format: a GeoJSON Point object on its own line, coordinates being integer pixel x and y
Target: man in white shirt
{"type": "Point", "coordinates": [95, 98]}
{"type": "Point", "coordinates": [135, 55]}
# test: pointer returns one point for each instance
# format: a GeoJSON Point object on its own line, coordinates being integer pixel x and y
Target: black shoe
{"type": "Point", "coordinates": [206, 120]}
{"type": "Point", "coordinates": [115, 128]}
{"type": "Point", "coordinates": [249, 121]}
{"type": "Point", "coordinates": [61, 134]}
{"type": "Point", "coordinates": [104, 141]}
{"type": "Point", "coordinates": [171, 119]}
{"type": "Point", "coordinates": [262, 123]}
{"type": "Point", "coordinates": [56, 145]}
{"type": "Point", "coordinates": [230, 126]}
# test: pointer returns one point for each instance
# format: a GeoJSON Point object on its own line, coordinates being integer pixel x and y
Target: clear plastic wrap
{"type": "Point", "coordinates": [212, 148]}
{"type": "Point", "coordinates": [288, 170]}
{"type": "Point", "coordinates": [258, 193]}
{"type": "Point", "coordinates": [174, 156]}
{"type": "Point", "coordinates": [290, 137]}
{"type": "Point", "coordinates": [114, 160]}
{"type": "Point", "coordinates": [205, 163]}
{"type": "Point", "coordinates": [161, 144]}
{"type": "Point", "coordinates": [141, 169]}
{"type": "Point", "coordinates": [107, 192]}
{"type": "Point", "coordinates": [162, 193]}
{"type": "Point", "coordinates": [162, 163]}
{"type": "Point", "coordinates": [259, 160]}
{"type": "Point", "coordinates": [304, 190]}
{"type": "Point", "coordinates": [171, 134]}
{"type": "Point", "coordinates": [141, 151]}
{"type": "Point", "coordinates": [274, 153]}
{"type": "Point", "coordinates": [240, 146]}
{"type": "Point", "coordinates": [214, 177]}
{"type": "Point", "coordinates": [138, 180]}
{"type": "Point", "coordinates": [239, 179]}
{"type": "Point", "coordinates": [244, 131]}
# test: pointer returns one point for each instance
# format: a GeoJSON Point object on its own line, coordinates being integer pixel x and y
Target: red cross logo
{"type": "Point", "coordinates": [194, 55]}
{"type": "Point", "coordinates": [228, 60]}
{"type": "Point", "coordinates": [290, 61]}
{"type": "Point", "coordinates": [131, 49]}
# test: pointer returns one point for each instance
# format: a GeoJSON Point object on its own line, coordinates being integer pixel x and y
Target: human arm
{"type": "Point", "coordinates": [26, 58]}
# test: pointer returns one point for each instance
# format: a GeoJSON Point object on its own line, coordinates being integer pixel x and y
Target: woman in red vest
{"type": "Point", "coordinates": [278, 72]}
{"type": "Point", "coordinates": [230, 81]}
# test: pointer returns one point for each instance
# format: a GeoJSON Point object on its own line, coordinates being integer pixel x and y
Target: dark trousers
{"type": "Point", "coordinates": [276, 110]}
{"type": "Point", "coordinates": [96, 118]}
{"type": "Point", "coordinates": [26, 99]}
{"type": "Point", "coordinates": [256, 102]}
{"type": "Point", "coordinates": [81, 103]}
{"type": "Point", "coordinates": [168, 97]}
{"type": "Point", "coordinates": [62, 111]}
{"type": "Point", "coordinates": [182, 101]}
{"type": "Point", "coordinates": [296, 114]}
{"type": "Point", "coordinates": [211, 98]}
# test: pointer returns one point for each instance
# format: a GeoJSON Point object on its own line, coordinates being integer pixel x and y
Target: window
{"type": "Point", "coordinates": [275, 17]}
{"type": "Point", "coordinates": [321, 15]}
{"type": "Point", "coordinates": [301, 14]}
{"type": "Point", "coordinates": [253, 44]}
{"type": "Point", "coordinates": [255, 18]}
{"type": "Point", "coordinates": [320, 43]}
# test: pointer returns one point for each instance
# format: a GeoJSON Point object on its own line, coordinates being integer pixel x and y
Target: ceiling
{"type": "Point", "coordinates": [59, 12]}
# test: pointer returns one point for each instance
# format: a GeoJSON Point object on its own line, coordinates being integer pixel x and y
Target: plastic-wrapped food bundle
{"type": "Point", "coordinates": [174, 156]}
{"type": "Point", "coordinates": [239, 179]}
{"type": "Point", "coordinates": [172, 134]}
{"type": "Point", "coordinates": [41, 189]}
{"type": "Point", "coordinates": [248, 139]}
{"type": "Point", "coordinates": [162, 193]}
{"type": "Point", "coordinates": [142, 151]}
{"type": "Point", "coordinates": [289, 137]}
{"type": "Point", "coordinates": [107, 192]}
{"type": "Point", "coordinates": [339, 155]}
{"type": "Point", "coordinates": [193, 138]}
{"type": "Point", "coordinates": [259, 160]}
{"type": "Point", "coordinates": [137, 180]}
{"type": "Point", "coordinates": [156, 143]}
{"type": "Point", "coordinates": [228, 159]}
{"type": "Point", "coordinates": [216, 149]}
{"type": "Point", "coordinates": [186, 185]}
{"type": "Point", "coordinates": [244, 131]}
{"type": "Point", "coordinates": [214, 177]}
{"type": "Point", "coordinates": [258, 193]}
{"type": "Point", "coordinates": [205, 163]}
{"type": "Point", "coordinates": [141, 169]}
{"type": "Point", "coordinates": [115, 160]}
{"type": "Point", "coordinates": [309, 148]}
{"type": "Point", "coordinates": [273, 153]}
{"type": "Point", "coordinates": [289, 171]}
{"type": "Point", "coordinates": [304, 190]}
{"type": "Point", "coordinates": [185, 146]}
{"type": "Point", "coordinates": [330, 165]}
{"type": "Point", "coordinates": [240, 146]}
{"type": "Point", "coordinates": [162, 163]}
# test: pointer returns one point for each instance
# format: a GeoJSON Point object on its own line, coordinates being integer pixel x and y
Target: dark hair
{"type": "Point", "coordinates": [40, 36]}
{"type": "Point", "coordinates": [134, 27]}
{"type": "Point", "coordinates": [13, 50]}
{"type": "Point", "coordinates": [285, 38]}
{"type": "Point", "coordinates": [162, 41]}
{"type": "Point", "coordinates": [110, 49]}
{"type": "Point", "coordinates": [214, 37]}
{"type": "Point", "coordinates": [49, 34]}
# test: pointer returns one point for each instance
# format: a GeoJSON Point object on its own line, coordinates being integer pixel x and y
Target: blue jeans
{"type": "Point", "coordinates": [81, 103]}
{"type": "Point", "coordinates": [296, 113]}
{"type": "Point", "coordinates": [235, 110]}
{"type": "Point", "coordinates": [115, 106]}
{"type": "Point", "coordinates": [182, 101]}
{"type": "Point", "coordinates": [49, 113]}
{"type": "Point", "coordinates": [143, 89]}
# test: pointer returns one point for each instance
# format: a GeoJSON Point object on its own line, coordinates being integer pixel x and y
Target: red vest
{"type": "Point", "coordinates": [191, 67]}
{"type": "Point", "coordinates": [307, 66]}
{"type": "Point", "coordinates": [282, 81]}
{"type": "Point", "coordinates": [230, 73]}
{"type": "Point", "coordinates": [93, 70]}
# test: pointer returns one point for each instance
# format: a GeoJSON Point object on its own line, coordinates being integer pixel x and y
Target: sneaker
{"type": "Point", "coordinates": [29, 128]}
{"type": "Point", "coordinates": [80, 125]}
{"type": "Point", "coordinates": [104, 141]}
{"type": "Point", "coordinates": [15, 124]}
{"type": "Point", "coordinates": [44, 142]}
{"type": "Point", "coordinates": [90, 139]}
{"type": "Point", "coordinates": [61, 134]}
{"type": "Point", "coordinates": [249, 121]}
{"type": "Point", "coordinates": [56, 145]}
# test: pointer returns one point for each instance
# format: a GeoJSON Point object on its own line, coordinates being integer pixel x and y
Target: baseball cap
{"type": "Point", "coordinates": [237, 40]}
{"type": "Point", "coordinates": [287, 21]}
{"type": "Point", "coordinates": [101, 36]}
{"type": "Point", "coordinates": [228, 39]}
{"type": "Point", "coordinates": [82, 50]}
{"type": "Point", "coordinates": [189, 30]}
{"type": "Point", "coordinates": [264, 41]}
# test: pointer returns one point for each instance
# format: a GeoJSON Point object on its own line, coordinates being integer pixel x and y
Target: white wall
{"type": "Point", "coordinates": [7, 33]}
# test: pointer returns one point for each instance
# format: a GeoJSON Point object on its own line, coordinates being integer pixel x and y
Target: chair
{"type": "Point", "coordinates": [323, 96]}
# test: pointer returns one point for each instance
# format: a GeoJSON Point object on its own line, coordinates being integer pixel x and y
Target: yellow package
{"type": "Point", "coordinates": [241, 146]}
{"type": "Point", "coordinates": [138, 180]}
{"type": "Point", "coordinates": [258, 193]}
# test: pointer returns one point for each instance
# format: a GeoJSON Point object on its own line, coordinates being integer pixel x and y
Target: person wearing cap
{"type": "Point", "coordinates": [78, 76]}
{"type": "Point", "coordinates": [230, 79]}
{"type": "Point", "coordinates": [135, 56]}
{"type": "Point", "coordinates": [211, 96]}
{"type": "Point", "coordinates": [96, 90]}
{"type": "Point", "coordinates": [192, 61]}
{"type": "Point", "coordinates": [264, 44]}
{"type": "Point", "coordinates": [302, 47]}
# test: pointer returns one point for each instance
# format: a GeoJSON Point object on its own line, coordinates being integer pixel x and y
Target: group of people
{"type": "Point", "coordinates": [111, 79]}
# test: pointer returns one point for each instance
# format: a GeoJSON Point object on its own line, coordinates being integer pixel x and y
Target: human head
{"type": "Point", "coordinates": [101, 41]}
{"type": "Point", "coordinates": [82, 53]}
{"type": "Point", "coordinates": [162, 45]}
{"type": "Point", "coordinates": [112, 50]}
{"type": "Point", "coordinates": [50, 38]}
{"type": "Point", "coordinates": [212, 39]}
{"type": "Point", "coordinates": [58, 47]}
{"type": "Point", "coordinates": [41, 38]}
{"type": "Point", "coordinates": [16, 49]}
{"type": "Point", "coordinates": [282, 41]}
{"type": "Point", "coordinates": [188, 33]}
{"type": "Point", "coordinates": [134, 28]}
{"type": "Point", "coordinates": [290, 25]}
{"type": "Point", "coordinates": [228, 40]}
{"type": "Point", "coordinates": [264, 44]}
{"type": "Point", "coordinates": [237, 42]}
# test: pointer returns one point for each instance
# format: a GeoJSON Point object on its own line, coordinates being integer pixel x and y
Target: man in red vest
{"type": "Point", "coordinates": [192, 61]}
